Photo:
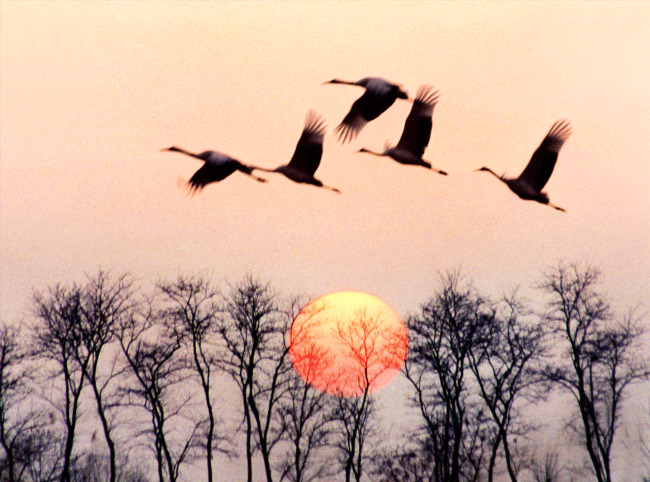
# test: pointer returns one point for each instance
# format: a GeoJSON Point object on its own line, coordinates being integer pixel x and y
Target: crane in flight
{"type": "Point", "coordinates": [216, 167]}
{"type": "Point", "coordinates": [378, 97]}
{"type": "Point", "coordinates": [307, 156]}
{"type": "Point", "coordinates": [416, 133]}
{"type": "Point", "coordinates": [534, 177]}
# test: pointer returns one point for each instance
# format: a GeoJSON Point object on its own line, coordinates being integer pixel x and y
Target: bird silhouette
{"type": "Point", "coordinates": [534, 177]}
{"type": "Point", "coordinates": [378, 97]}
{"type": "Point", "coordinates": [216, 167]}
{"type": "Point", "coordinates": [308, 154]}
{"type": "Point", "coordinates": [416, 133]}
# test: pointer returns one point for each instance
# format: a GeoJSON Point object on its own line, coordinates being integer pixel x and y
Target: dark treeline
{"type": "Point", "coordinates": [105, 382]}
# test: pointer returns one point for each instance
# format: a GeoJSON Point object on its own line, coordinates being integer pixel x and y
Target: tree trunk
{"type": "Point", "coordinates": [107, 432]}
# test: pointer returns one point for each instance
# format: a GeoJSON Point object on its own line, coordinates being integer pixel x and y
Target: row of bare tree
{"type": "Point", "coordinates": [153, 376]}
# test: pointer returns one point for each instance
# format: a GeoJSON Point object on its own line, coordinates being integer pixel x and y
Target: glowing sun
{"type": "Point", "coordinates": [348, 342]}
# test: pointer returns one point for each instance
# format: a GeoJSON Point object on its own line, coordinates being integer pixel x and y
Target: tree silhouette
{"type": "Point", "coordinates": [506, 363]}
{"type": "Point", "coordinates": [192, 306]}
{"type": "Point", "coordinates": [105, 303]}
{"type": "Point", "coordinates": [355, 423]}
{"type": "Point", "coordinates": [305, 410]}
{"type": "Point", "coordinates": [549, 469]}
{"type": "Point", "coordinates": [22, 424]}
{"type": "Point", "coordinates": [56, 339]}
{"type": "Point", "coordinates": [602, 357]}
{"type": "Point", "coordinates": [151, 350]}
{"type": "Point", "coordinates": [405, 463]}
{"type": "Point", "coordinates": [443, 336]}
{"type": "Point", "coordinates": [154, 366]}
{"type": "Point", "coordinates": [253, 330]}
{"type": "Point", "coordinates": [371, 351]}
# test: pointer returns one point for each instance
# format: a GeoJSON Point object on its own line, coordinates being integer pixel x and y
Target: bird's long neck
{"type": "Point", "coordinates": [182, 151]}
{"type": "Point", "coordinates": [500, 178]}
{"type": "Point", "coordinates": [368, 151]}
{"type": "Point", "coordinates": [339, 81]}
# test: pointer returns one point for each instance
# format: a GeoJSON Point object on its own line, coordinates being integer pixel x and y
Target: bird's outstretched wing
{"type": "Point", "coordinates": [417, 128]}
{"type": "Point", "coordinates": [355, 120]}
{"type": "Point", "coordinates": [212, 172]}
{"type": "Point", "coordinates": [368, 107]}
{"type": "Point", "coordinates": [309, 149]}
{"type": "Point", "coordinates": [541, 165]}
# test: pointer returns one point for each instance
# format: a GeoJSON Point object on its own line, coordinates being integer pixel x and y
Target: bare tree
{"type": "Point", "coordinates": [192, 305]}
{"type": "Point", "coordinates": [105, 303]}
{"type": "Point", "coordinates": [307, 426]}
{"type": "Point", "coordinates": [253, 331]}
{"type": "Point", "coordinates": [442, 337]}
{"type": "Point", "coordinates": [304, 410]}
{"type": "Point", "coordinates": [404, 463]}
{"type": "Point", "coordinates": [12, 393]}
{"type": "Point", "coordinates": [21, 422]}
{"type": "Point", "coordinates": [506, 363]}
{"type": "Point", "coordinates": [43, 452]}
{"type": "Point", "coordinates": [355, 424]}
{"type": "Point", "coordinates": [92, 466]}
{"type": "Point", "coordinates": [151, 349]}
{"type": "Point", "coordinates": [642, 437]}
{"type": "Point", "coordinates": [56, 339]}
{"type": "Point", "coordinates": [602, 357]}
{"type": "Point", "coordinates": [372, 348]}
{"type": "Point", "coordinates": [549, 469]}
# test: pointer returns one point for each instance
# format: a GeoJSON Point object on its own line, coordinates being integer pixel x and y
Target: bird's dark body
{"type": "Point", "coordinates": [216, 167]}
{"type": "Point", "coordinates": [525, 192]}
{"type": "Point", "coordinates": [371, 104]}
{"type": "Point", "coordinates": [211, 172]}
{"type": "Point", "coordinates": [307, 156]}
{"type": "Point", "coordinates": [416, 134]}
{"type": "Point", "coordinates": [536, 174]}
{"type": "Point", "coordinates": [378, 97]}
{"type": "Point", "coordinates": [298, 176]}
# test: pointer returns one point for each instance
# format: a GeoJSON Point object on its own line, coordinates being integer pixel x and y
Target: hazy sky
{"type": "Point", "coordinates": [91, 91]}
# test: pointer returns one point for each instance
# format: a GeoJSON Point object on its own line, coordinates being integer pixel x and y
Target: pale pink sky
{"type": "Point", "coordinates": [90, 91]}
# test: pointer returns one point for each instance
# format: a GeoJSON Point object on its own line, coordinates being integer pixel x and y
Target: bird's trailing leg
{"type": "Point", "coordinates": [439, 171]}
{"type": "Point", "coordinates": [258, 179]}
{"type": "Point", "coordinates": [331, 188]}
{"type": "Point", "coordinates": [318, 183]}
{"type": "Point", "coordinates": [557, 207]}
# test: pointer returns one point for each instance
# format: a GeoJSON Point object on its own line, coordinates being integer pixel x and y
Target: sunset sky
{"type": "Point", "coordinates": [91, 91]}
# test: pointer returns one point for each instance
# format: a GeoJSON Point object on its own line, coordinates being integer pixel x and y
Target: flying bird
{"type": "Point", "coordinates": [534, 177]}
{"type": "Point", "coordinates": [378, 97]}
{"type": "Point", "coordinates": [308, 154]}
{"type": "Point", "coordinates": [216, 167]}
{"type": "Point", "coordinates": [416, 133]}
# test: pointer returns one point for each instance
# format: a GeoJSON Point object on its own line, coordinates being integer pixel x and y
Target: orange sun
{"type": "Point", "coordinates": [348, 342]}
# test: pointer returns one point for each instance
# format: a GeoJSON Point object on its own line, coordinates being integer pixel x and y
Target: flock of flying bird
{"type": "Point", "coordinates": [379, 95]}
